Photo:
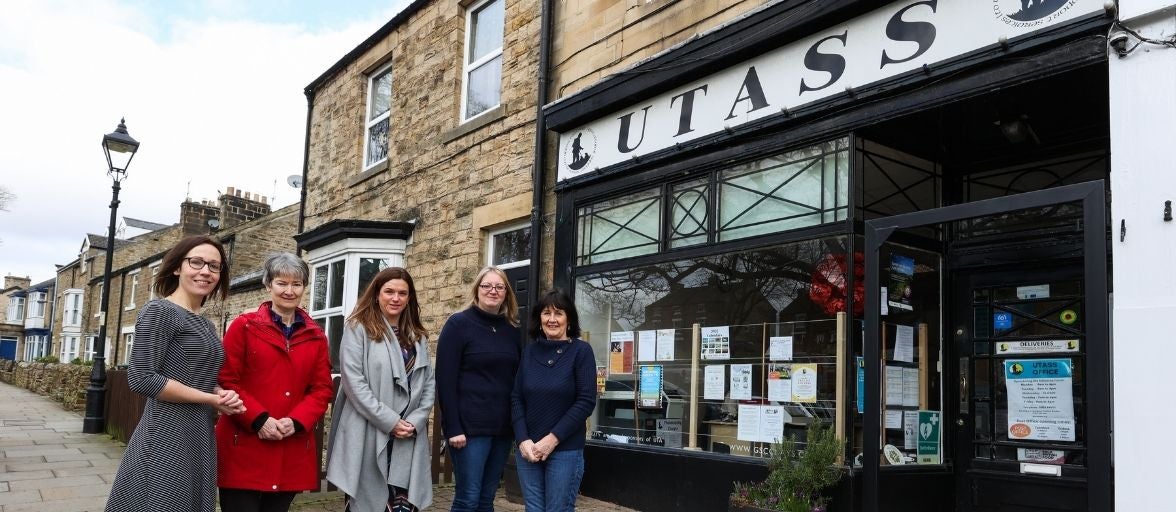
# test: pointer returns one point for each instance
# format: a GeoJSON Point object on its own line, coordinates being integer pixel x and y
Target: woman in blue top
{"type": "Point", "coordinates": [477, 358]}
{"type": "Point", "coordinates": [554, 393]}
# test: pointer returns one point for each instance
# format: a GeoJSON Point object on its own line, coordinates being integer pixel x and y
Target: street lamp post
{"type": "Point", "coordinates": [120, 148]}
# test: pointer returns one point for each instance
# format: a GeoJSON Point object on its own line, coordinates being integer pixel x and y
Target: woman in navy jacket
{"type": "Point", "coordinates": [276, 360]}
{"type": "Point", "coordinates": [554, 393]}
{"type": "Point", "coordinates": [477, 358]}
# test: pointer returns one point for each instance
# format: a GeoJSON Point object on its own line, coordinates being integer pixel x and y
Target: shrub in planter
{"type": "Point", "coordinates": [47, 359]}
{"type": "Point", "coordinates": [796, 478]}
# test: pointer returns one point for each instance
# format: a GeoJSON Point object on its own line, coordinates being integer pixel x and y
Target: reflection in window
{"type": "Point", "coordinates": [368, 268]}
{"type": "Point", "coordinates": [797, 189]}
{"type": "Point", "coordinates": [510, 246]}
{"type": "Point", "coordinates": [619, 228]}
{"type": "Point", "coordinates": [757, 295]}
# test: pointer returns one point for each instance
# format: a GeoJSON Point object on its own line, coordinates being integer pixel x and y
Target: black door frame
{"type": "Point", "coordinates": [1098, 379]}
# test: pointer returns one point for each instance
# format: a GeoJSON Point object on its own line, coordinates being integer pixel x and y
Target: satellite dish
{"type": "Point", "coordinates": [294, 180]}
{"type": "Point", "coordinates": [213, 223]}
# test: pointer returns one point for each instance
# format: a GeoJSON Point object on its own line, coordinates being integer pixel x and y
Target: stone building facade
{"type": "Point", "coordinates": [420, 154]}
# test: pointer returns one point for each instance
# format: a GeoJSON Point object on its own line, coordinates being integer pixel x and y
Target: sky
{"type": "Point", "coordinates": [212, 90]}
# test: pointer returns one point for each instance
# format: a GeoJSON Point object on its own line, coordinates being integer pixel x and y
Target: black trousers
{"type": "Point", "coordinates": [244, 500]}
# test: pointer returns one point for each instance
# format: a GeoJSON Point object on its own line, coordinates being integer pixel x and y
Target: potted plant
{"type": "Point", "coordinates": [796, 477]}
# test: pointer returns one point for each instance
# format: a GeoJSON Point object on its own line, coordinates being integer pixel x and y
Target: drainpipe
{"type": "Point", "coordinates": [540, 152]}
{"type": "Point", "coordinates": [305, 168]}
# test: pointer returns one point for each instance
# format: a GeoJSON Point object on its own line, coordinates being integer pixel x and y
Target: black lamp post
{"type": "Point", "coordinates": [120, 148]}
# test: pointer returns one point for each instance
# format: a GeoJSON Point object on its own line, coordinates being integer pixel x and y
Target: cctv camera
{"type": "Point", "coordinates": [1118, 42]}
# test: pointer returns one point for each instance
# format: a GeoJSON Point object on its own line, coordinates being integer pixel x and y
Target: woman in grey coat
{"type": "Point", "coordinates": [378, 449]}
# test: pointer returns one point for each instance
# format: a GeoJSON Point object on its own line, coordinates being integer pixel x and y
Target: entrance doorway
{"type": "Point", "coordinates": [1026, 368]}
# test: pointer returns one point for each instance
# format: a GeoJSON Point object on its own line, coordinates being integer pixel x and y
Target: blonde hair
{"type": "Point", "coordinates": [510, 304]}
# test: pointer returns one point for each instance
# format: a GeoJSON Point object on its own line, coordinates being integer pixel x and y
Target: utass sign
{"type": "Point", "coordinates": [886, 42]}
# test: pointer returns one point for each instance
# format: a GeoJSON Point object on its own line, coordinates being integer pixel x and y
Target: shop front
{"type": "Point", "coordinates": [887, 221]}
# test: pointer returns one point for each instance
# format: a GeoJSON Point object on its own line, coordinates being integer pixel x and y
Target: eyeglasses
{"type": "Point", "coordinates": [198, 263]}
{"type": "Point", "coordinates": [496, 287]}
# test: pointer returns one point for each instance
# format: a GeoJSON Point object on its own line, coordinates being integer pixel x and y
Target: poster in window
{"type": "Point", "coordinates": [670, 430]}
{"type": "Point", "coordinates": [716, 342]}
{"type": "Point", "coordinates": [649, 386]}
{"type": "Point", "coordinates": [741, 382]}
{"type": "Point", "coordinates": [714, 386]}
{"type": "Point", "coordinates": [902, 273]}
{"type": "Point", "coordinates": [601, 378]}
{"type": "Point", "coordinates": [804, 383]}
{"type": "Point", "coordinates": [1041, 399]}
{"type": "Point", "coordinates": [620, 353]}
{"type": "Point", "coordinates": [780, 348]}
{"type": "Point", "coordinates": [665, 344]}
{"type": "Point", "coordinates": [780, 382]}
{"type": "Point", "coordinates": [646, 345]}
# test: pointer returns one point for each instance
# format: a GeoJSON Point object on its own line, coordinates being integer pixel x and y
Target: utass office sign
{"type": "Point", "coordinates": [886, 42]}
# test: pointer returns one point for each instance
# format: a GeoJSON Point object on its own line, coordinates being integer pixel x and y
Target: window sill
{"type": "Point", "coordinates": [474, 123]}
{"type": "Point", "coordinates": [366, 175]}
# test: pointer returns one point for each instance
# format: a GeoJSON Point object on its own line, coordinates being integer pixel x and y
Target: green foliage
{"type": "Point", "coordinates": [47, 359]}
{"type": "Point", "coordinates": [78, 361]}
{"type": "Point", "coordinates": [796, 477]}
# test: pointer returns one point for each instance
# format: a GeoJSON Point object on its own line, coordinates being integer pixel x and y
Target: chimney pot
{"type": "Point", "coordinates": [230, 190]}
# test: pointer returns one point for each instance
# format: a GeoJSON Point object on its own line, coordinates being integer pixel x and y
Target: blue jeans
{"type": "Point", "coordinates": [477, 468]}
{"type": "Point", "coordinates": [552, 485]}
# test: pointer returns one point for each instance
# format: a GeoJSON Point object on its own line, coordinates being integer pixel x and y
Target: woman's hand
{"type": "Point", "coordinates": [286, 427]}
{"type": "Point", "coordinates": [227, 402]}
{"type": "Point", "coordinates": [458, 441]}
{"type": "Point", "coordinates": [527, 449]}
{"type": "Point", "coordinates": [270, 431]}
{"type": "Point", "coordinates": [403, 430]}
{"type": "Point", "coordinates": [545, 446]}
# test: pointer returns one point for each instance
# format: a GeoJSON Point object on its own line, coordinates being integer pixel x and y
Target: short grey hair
{"type": "Point", "coordinates": [284, 264]}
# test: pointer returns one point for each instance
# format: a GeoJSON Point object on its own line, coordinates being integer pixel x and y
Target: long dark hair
{"type": "Point", "coordinates": [166, 281]}
{"type": "Point", "coordinates": [558, 299]}
{"type": "Point", "coordinates": [367, 311]}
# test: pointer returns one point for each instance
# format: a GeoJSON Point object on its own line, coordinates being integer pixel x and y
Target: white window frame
{"type": "Point", "coordinates": [89, 353]}
{"type": "Point", "coordinates": [36, 305]}
{"type": "Point", "coordinates": [151, 284]}
{"type": "Point", "coordinates": [69, 347]}
{"type": "Point", "coordinates": [490, 246]}
{"type": "Point", "coordinates": [35, 346]}
{"type": "Point", "coordinates": [128, 344]}
{"type": "Point", "coordinates": [97, 310]}
{"type": "Point", "coordinates": [134, 275]}
{"type": "Point", "coordinates": [16, 310]}
{"type": "Point", "coordinates": [71, 314]}
{"type": "Point", "coordinates": [469, 67]}
{"type": "Point", "coordinates": [369, 122]}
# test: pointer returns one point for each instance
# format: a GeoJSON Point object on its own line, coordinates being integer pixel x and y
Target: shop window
{"type": "Point", "coordinates": [377, 120]}
{"type": "Point", "coordinates": [768, 348]}
{"type": "Point", "coordinates": [483, 62]}
{"type": "Point", "coordinates": [800, 188]}
{"type": "Point", "coordinates": [689, 210]}
{"type": "Point", "coordinates": [620, 228]}
{"type": "Point", "coordinates": [895, 182]}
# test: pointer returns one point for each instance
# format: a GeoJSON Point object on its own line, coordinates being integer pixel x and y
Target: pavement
{"type": "Point", "coordinates": [48, 465]}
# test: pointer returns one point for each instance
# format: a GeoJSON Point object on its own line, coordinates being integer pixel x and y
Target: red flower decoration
{"type": "Point", "coordinates": [828, 284]}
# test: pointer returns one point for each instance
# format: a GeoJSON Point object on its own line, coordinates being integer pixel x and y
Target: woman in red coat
{"type": "Point", "coordinates": [276, 360]}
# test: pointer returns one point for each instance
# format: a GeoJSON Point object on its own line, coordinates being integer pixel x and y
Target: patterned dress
{"type": "Point", "coordinates": [170, 461]}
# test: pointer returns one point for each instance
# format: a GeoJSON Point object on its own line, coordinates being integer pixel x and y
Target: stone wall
{"type": "Point", "coordinates": [65, 383]}
{"type": "Point", "coordinates": [439, 169]}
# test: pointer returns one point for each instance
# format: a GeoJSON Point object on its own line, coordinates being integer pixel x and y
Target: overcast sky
{"type": "Point", "coordinates": [211, 89]}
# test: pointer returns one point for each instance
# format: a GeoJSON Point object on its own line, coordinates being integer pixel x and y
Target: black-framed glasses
{"type": "Point", "coordinates": [496, 287]}
{"type": "Point", "coordinates": [198, 263]}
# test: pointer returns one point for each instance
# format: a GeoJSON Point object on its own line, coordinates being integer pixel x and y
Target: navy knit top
{"type": "Point", "coordinates": [477, 358]}
{"type": "Point", "coordinates": [555, 392]}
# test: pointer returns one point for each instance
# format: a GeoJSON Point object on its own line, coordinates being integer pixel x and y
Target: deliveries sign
{"type": "Point", "coordinates": [1041, 399]}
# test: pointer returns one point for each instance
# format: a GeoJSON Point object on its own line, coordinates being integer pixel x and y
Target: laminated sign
{"type": "Point", "coordinates": [1041, 399]}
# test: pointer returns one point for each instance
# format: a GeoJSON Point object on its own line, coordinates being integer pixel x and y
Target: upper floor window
{"type": "Point", "coordinates": [483, 59]}
{"type": "Point", "coordinates": [72, 314]}
{"type": "Point", "coordinates": [37, 304]}
{"type": "Point", "coordinates": [151, 283]}
{"type": "Point", "coordinates": [133, 289]}
{"type": "Point", "coordinates": [379, 107]}
{"type": "Point", "coordinates": [16, 310]}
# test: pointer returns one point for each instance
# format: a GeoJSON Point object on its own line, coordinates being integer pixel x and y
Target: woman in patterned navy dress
{"type": "Point", "coordinates": [170, 461]}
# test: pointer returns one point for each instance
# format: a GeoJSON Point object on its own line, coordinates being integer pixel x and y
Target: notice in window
{"type": "Point", "coordinates": [1041, 399]}
{"type": "Point", "coordinates": [601, 378]}
{"type": "Point", "coordinates": [780, 383]}
{"type": "Point", "coordinates": [670, 430]}
{"type": "Point", "coordinates": [741, 382]}
{"type": "Point", "coordinates": [780, 348]}
{"type": "Point", "coordinates": [894, 388]}
{"type": "Point", "coordinates": [649, 385]}
{"type": "Point", "coordinates": [646, 345]}
{"type": "Point", "coordinates": [716, 342]}
{"type": "Point", "coordinates": [665, 344]}
{"type": "Point", "coordinates": [902, 273]}
{"type": "Point", "coordinates": [804, 383]}
{"type": "Point", "coordinates": [748, 428]}
{"type": "Point", "coordinates": [714, 385]}
{"type": "Point", "coordinates": [620, 353]}
{"type": "Point", "coordinates": [904, 343]}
